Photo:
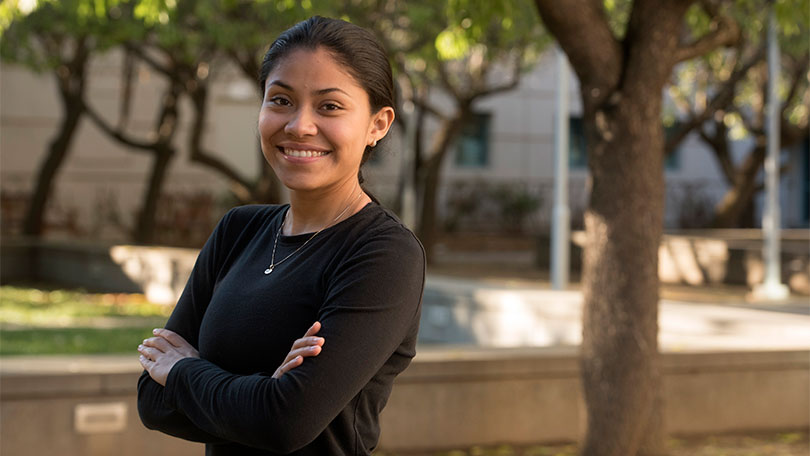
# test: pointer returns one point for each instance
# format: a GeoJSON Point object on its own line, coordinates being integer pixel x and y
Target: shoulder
{"type": "Point", "coordinates": [250, 216]}
{"type": "Point", "coordinates": [380, 249]}
{"type": "Point", "coordinates": [249, 212]}
{"type": "Point", "coordinates": [380, 228]}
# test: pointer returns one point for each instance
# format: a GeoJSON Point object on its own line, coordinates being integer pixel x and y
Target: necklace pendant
{"type": "Point", "coordinates": [268, 271]}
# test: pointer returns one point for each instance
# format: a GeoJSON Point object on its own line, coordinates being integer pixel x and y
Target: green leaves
{"type": "Point", "coordinates": [452, 43]}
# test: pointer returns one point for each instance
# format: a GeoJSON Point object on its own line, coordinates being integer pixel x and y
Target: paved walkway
{"type": "Point", "coordinates": [498, 313]}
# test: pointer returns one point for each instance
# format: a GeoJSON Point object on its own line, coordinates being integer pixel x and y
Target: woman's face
{"type": "Point", "coordinates": [316, 121]}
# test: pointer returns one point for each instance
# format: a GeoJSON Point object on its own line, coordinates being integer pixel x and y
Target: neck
{"type": "Point", "coordinates": [311, 211]}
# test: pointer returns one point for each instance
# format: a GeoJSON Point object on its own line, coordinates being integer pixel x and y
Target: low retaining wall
{"type": "Point", "coordinates": [158, 272]}
{"type": "Point", "coordinates": [448, 398]}
{"type": "Point", "coordinates": [722, 256]}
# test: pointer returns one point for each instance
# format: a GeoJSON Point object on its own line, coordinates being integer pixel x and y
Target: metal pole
{"type": "Point", "coordinates": [561, 216]}
{"type": "Point", "coordinates": [772, 287]}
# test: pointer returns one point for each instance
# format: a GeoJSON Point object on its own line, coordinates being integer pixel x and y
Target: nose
{"type": "Point", "coordinates": [301, 124]}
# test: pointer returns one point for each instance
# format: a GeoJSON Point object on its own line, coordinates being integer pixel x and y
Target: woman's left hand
{"type": "Point", "coordinates": [160, 353]}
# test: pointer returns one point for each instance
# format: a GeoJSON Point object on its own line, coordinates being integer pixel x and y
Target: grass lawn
{"type": "Point", "coordinates": [41, 321]}
{"type": "Point", "coordinates": [71, 341]}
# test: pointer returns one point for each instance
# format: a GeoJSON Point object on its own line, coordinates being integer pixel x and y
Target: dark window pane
{"type": "Point", "coordinates": [472, 145]}
{"type": "Point", "coordinates": [577, 151]}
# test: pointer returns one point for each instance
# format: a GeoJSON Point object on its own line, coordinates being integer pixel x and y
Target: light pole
{"type": "Point", "coordinates": [561, 215]}
{"type": "Point", "coordinates": [772, 287]}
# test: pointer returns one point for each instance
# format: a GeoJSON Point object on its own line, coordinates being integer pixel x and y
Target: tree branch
{"type": "Point", "coordinates": [157, 66]}
{"type": "Point", "coordinates": [719, 143]}
{"type": "Point", "coordinates": [199, 154]}
{"type": "Point", "coordinates": [726, 33]}
{"type": "Point", "coordinates": [582, 30]}
{"type": "Point", "coordinates": [445, 78]}
{"type": "Point", "coordinates": [513, 81]}
{"type": "Point", "coordinates": [724, 97]}
{"type": "Point", "coordinates": [428, 108]}
{"type": "Point", "coordinates": [120, 136]}
{"type": "Point", "coordinates": [799, 73]}
{"type": "Point", "coordinates": [128, 72]}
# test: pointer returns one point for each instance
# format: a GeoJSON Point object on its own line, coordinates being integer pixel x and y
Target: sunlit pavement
{"type": "Point", "coordinates": [492, 314]}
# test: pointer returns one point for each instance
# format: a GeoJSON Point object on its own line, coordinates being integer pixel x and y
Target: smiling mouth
{"type": "Point", "coordinates": [302, 153]}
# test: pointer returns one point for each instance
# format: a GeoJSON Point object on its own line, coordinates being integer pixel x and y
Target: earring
{"type": "Point", "coordinates": [374, 143]}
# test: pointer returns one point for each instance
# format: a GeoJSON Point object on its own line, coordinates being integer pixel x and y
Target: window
{"type": "Point", "coordinates": [472, 145]}
{"type": "Point", "coordinates": [672, 162]}
{"type": "Point", "coordinates": [577, 152]}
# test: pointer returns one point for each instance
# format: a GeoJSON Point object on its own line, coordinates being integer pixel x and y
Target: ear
{"type": "Point", "coordinates": [381, 122]}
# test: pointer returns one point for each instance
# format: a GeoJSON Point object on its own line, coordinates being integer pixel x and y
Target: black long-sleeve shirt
{"type": "Point", "coordinates": [361, 278]}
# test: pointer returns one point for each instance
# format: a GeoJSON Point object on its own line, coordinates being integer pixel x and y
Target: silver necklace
{"type": "Point", "coordinates": [273, 263]}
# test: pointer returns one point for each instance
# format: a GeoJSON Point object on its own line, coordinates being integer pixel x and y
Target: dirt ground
{"type": "Point", "coordinates": [794, 443]}
{"type": "Point", "coordinates": [777, 444]}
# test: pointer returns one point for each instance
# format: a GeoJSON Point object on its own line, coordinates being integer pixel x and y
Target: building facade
{"type": "Point", "coordinates": [504, 157]}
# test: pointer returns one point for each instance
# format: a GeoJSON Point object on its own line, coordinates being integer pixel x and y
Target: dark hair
{"type": "Point", "coordinates": [354, 47]}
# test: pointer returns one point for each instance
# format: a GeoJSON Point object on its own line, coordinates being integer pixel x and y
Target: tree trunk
{"type": "Point", "coordinates": [145, 228]}
{"type": "Point", "coordinates": [731, 208]}
{"type": "Point", "coordinates": [427, 230]}
{"type": "Point", "coordinates": [620, 85]}
{"type": "Point", "coordinates": [163, 152]}
{"type": "Point", "coordinates": [430, 175]}
{"type": "Point", "coordinates": [268, 188]}
{"type": "Point", "coordinates": [70, 82]}
{"type": "Point", "coordinates": [57, 153]}
{"type": "Point", "coordinates": [623, 223]}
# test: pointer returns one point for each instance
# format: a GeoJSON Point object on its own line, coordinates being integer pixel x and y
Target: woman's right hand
{"type": "Point", "coordinates": [307, 346]}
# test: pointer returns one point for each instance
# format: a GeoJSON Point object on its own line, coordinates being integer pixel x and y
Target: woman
{"type": "Point", "coordinates": [333, 266]}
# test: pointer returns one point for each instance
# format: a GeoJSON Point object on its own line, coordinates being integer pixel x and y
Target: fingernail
{"type": "Point", "coordinates": [155, 331]}
{"type": "Point", "coordinates": [140, 347]}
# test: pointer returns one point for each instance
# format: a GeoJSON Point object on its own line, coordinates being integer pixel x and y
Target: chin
{"type": "Point", "coordinates": [300, 185]}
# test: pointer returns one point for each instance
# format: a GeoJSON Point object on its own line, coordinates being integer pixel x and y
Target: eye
{"type": "Point", "coordinates": [279, 101]}
{"type": "Point", "coordinates": [330, 107]}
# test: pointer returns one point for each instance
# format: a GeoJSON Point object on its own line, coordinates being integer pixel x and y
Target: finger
{"type": "Point", "coordinates": [159, 343]}
{"type": "Point", "coordinates": [306, 342]}
{"type": "Point", "coordinates": [174, 338]}
{"type": "Point", "coordinates": [290, 365]}
{"type": "Point", "coordinates": [149, 352]}
{"type": "Point", "coordinates": [310, 350]}
{"type": "Point", "coordinates": [145, 362]}
{"type": "Point", "coordinates": [313, 329]}
{"type": "Point", "coordinates": [304, 352]}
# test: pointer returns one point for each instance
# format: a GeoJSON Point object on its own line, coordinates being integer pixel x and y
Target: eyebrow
{"type": "Point", "coordinates": [286, 86]}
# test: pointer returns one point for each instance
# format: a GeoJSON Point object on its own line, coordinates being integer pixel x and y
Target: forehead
{"type": "Point", "coordinates": [313, 69]}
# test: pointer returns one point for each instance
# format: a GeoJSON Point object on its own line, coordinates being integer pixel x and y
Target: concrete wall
{"type": "Point", "coordinates": [448, 398]}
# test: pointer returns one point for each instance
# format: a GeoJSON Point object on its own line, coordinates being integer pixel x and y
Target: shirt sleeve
{"type": "Point", "coordinates": [185, 320]}
{"type": "Point", "coordinates": [372, 305]}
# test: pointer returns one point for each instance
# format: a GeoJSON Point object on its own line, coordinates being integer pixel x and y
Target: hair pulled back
{"type": "Point", "coordinates": [353, 47]}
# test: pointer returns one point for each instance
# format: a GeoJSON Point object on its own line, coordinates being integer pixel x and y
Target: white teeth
{"type": "Point", "coordinates": [303, 153]}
